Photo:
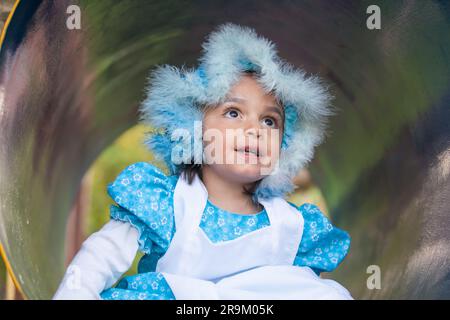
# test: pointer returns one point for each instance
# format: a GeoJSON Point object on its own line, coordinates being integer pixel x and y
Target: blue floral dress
{"type": "Point", "coordinates": [144, 197]}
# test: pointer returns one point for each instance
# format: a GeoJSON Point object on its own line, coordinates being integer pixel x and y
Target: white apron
{"type": "Point", "coordinates": [257, 265]}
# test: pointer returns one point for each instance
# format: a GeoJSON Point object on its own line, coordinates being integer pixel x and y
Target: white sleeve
{"type": "Point", "coordinates": [101, 261]}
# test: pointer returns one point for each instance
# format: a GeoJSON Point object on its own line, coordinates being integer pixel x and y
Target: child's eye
{"type": "Point", "coordinates": [270, 122]}
{"type": "Point", "coordinates": [232, 113]}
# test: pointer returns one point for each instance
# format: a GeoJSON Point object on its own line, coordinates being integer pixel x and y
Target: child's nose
{"type": "Point", "coordinates": [252, 126]}
{"type": "Point", "coordinates": [252, 132]}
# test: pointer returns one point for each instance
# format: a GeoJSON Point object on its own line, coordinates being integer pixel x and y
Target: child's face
{"type": "Point", "coordinates": [251, 118]}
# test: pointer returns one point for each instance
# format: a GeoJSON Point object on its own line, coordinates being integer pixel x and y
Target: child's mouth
{"type": "Point", "coordinates": [248, 152]}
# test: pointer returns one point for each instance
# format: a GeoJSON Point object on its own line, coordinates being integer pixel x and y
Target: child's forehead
{"type": "Point", "coordinates": [248, 87]}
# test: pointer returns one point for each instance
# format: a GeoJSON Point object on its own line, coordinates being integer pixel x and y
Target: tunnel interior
{"type": "Point", "coordinates": [65, 95]}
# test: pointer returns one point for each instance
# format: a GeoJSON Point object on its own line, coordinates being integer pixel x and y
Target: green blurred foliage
{"type": "Point", "coordinates": [401, 81]}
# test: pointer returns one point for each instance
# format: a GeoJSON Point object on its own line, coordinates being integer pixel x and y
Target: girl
{"type": "Point", "coordinates": [218, 226]}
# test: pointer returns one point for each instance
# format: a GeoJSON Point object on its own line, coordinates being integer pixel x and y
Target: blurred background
{"type": "Point", "coordinates": [68, 115]}
{"type": "Point", "coordinates": [7, 288]}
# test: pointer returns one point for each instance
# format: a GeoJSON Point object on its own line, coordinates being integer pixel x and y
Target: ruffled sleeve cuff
{"type": "Point", "coordinates": [323, 246]}
{"type": "Point", "coordinates": [145, 200]}
{"type": "Point", "coordinates": [145, 235]}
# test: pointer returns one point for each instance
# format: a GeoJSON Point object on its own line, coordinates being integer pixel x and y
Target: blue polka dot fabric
{"type": "Point", "coordinates": [146, 286]}
{"type": "Point", "coordinates": [144, 197]}
{"type": "Point", "coordinates": [220, 225]}
{"type": "Point", "coordinates": [323, 246]}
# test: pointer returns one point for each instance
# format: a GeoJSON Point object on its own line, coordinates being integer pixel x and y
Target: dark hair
{"type": "Point", "coordinates": [188, 171]}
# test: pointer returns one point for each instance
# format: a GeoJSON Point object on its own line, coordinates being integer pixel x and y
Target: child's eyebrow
{"type": "Point", "coordinates": [276, 110]}
{"type": "Point", "coordinates": [243, 101]}
{"type": "Point", "coordinates": [234, 99]}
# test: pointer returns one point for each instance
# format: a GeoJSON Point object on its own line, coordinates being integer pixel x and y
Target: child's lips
{"type": "Point", "coordinates": [247, 154]}
{"type": "Point", "coordinates": [250, 149]}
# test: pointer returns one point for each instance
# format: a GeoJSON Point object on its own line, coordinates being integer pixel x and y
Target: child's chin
{"type": "Point", "coordinates": [248, 172]}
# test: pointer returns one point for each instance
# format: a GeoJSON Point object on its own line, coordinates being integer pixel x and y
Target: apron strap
{"type": "Point", "coordinates": [288, 229]}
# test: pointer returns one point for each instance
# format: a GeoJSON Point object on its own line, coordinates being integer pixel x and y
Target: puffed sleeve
{"type": "Point", "coordinates": [323, 246]}
{"type": "Point", "coordinates": [144, 197]}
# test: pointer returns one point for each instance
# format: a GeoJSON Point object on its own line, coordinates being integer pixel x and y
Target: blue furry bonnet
{"type": "Point", "coordinates": [174, 97]}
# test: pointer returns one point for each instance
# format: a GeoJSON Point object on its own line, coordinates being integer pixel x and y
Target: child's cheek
{"type": "Point", "coordinates": [272, 143]}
